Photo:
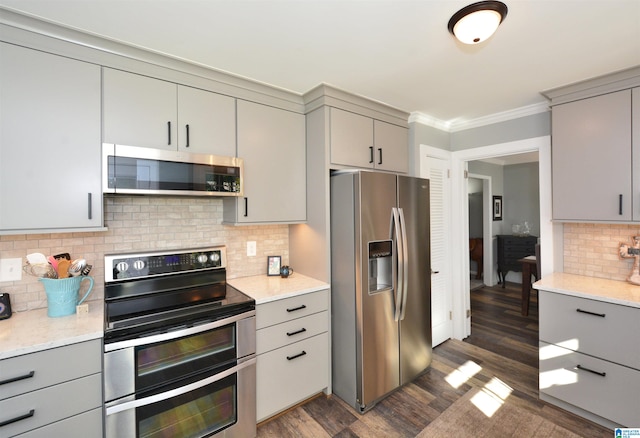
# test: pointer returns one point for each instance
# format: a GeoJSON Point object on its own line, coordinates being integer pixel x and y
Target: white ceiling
{"type": "Point", "coordinates": [395, 51]}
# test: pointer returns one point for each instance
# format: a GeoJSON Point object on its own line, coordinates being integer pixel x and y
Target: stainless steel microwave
{"type": "Point", "coordinates": [138, 171]}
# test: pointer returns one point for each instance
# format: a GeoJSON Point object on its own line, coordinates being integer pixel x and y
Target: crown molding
{"type": "Point", "coordinates": [608, 83]}
{"type": "Point", "coordinates": [454, 126]}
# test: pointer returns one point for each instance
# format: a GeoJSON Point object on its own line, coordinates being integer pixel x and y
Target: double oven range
{"type": "Point", "coordinates": [179, 347]}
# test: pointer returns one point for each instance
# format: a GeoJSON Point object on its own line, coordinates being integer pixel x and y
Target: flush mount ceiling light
{"type": "Point", "coordinates": [475, 23]}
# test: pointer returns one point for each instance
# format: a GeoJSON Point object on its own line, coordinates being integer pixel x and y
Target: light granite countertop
{"type": "Point", "coordinates": [32, 331]}
{"type": "Point", "coordinates": [600, 289]}
{"type": "Point", "coordinates": [264, 289]}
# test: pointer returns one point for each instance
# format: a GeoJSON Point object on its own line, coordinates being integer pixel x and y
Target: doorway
{"type": "Point", "coordinates": [460, 247]}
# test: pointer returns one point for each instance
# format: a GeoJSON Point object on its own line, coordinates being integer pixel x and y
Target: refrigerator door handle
{"type": "Point", "coordinates": [404, 263]}
{"type": "Point", "coordinates": [396, 236]}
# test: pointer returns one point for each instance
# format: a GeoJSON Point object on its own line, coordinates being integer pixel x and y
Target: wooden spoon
{"type": "Point", "coordinates": [63, 268]}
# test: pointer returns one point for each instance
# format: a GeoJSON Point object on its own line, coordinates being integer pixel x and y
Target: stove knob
{"type": "Point", "coordinates": [138, 265]}
{"type": "Point", "coordinates": [202, 258]}
{"type": "Point", "coordinates": [215, 256]}
{"type": "Point", "coordinates": [122, 267]}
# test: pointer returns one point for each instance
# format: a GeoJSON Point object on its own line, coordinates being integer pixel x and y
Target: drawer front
{"type": "Point", "coordinates": [85, 425]}
{"type": "Point", "coordinates": [34, 371]}
{"type": "Point", "coordinates": [279, 335]}
{"type": "Point", "coordinates": [51, 404]}
{"type": "Point", "coordinates": [613, 337]}
{"type": "Point", "coordinates": [283, 382]}
{"type": "Point", "coordinates": [275, 312]}
{"type": "Point", "coordinates": [615, 396]}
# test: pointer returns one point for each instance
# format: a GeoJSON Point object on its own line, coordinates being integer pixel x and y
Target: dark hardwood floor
{"type": "Point", "coordinates": [503, 344]}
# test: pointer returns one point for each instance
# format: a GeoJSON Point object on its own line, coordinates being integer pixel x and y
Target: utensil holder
{"type": "Point", "coordinates": [62, 295]}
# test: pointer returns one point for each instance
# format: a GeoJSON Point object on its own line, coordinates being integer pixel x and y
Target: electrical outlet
{"type": "Point", "coordinates": [251, 248]}
{"type": "Point", "coordinates": [10, 269]}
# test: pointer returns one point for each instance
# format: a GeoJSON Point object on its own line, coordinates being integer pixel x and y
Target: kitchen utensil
{"type": "Point", "coordinates": [76, 267]}
{"type": "Point", "coordinates": [53, 262]}
{"type": "Point", "coordinates": [64, 255]}
{"type": "Point", "coordinates": [63, 268]}
{"type": "Point", "coordinates": [36, 258]}
{"type": "Point", "coordinates": [42, 270]}
{"type": "Point", "coordinates": [86, 270]}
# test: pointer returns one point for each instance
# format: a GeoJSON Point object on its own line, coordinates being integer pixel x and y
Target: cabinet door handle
{"type": "Point", "coordinates": [297, 355]}
{"type": "Point", "coordinates": [302, 330]}
{"type": "Point", "coordinates": [297, 308]}
{"type": "Point", "coordinates": [21, 417]}
{"type": "Point", "coordinates": [620, 205]}
{"type": "Point", "coordinates": [187, 136]}
{"type": "Point", "coordinates": [89, 203]}
{"type": "Point", "coordinates": [370, 154]}
{"type": "Point", "coordinates": [380, 155]}
{"type": "Point", "coordinates": [600, 373]}
{"type": "Point", "coordinates": [15, 379]}
{"type": "Point", "coordinates": [246, 207]}
{"type": "Point", "coordinates": [601, 315]}
{"type": "Point", "coordinates": [169, 132]}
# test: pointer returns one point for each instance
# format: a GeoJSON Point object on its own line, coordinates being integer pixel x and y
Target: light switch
{"type": "Point", "coordinates": [10, 269]}
{"type": "Point", "coordinates": [251, 248]}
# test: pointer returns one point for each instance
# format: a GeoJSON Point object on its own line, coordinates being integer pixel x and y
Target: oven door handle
{"type": "Point", "coordinates": [179, 391]}
{"type": "Point", "coordinates": [178, 333]}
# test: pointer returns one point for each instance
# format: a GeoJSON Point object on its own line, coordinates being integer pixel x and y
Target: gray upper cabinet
{"type": "Point", "coordinates": [635, 138]}
{"type": "Point", "coordinates": [592, 159]}
{"type": "Point", "coordinates": [360, 141]}
{"type": "Point", "coordinates": [148, 112]}
{"type": "Point", "coordinates": [49, 142]}
{"type": "Point", "coordinates": [271, 142]}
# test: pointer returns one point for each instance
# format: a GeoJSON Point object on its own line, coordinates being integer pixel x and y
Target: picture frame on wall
{"type": "Point", "coordinates": [497, 208]}
{"type": "Point", "coordinates": [273, 265]}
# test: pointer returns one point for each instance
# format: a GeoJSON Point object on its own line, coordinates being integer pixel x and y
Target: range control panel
{"type": "Point", "coordinates": [150, 264]}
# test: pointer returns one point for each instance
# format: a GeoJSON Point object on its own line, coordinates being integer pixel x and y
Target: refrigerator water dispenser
{"type": "Point", "coordinates": [380, 266]}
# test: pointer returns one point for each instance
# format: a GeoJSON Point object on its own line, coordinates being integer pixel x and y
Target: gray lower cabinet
{"type": "Point", "coordinates": [55, 392]}
{"type": "Point", "coordinates": [271, 142]}
{"type": "Point", "coordinates": [360, 141]}
{"type": "Point", "coordinates": [292, 345]}
{"type": "Point", "coordinates": [589, 357]}
{"type": "Point", "coordinates": [148, 112]}
{"type": "Point", "coordinates": [49, 142]}
{"type": "Point", "coordinates": [592, 157]}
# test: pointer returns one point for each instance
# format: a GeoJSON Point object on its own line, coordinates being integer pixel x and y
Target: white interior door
{"type": "Point", "coordinates": [436, 168]}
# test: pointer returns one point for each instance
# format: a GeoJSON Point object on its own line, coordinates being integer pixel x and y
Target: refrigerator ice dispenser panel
{"type": "Point", "coordinates": [380, 266]}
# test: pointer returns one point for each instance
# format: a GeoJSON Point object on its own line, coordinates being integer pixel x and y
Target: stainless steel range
{"type": "Point", "coordinates": [179, 347]}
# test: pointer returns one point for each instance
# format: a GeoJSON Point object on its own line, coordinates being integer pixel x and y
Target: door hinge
{"type": "Point", "coordinates": [448, 173]}
{"type": "Point", "coordinates": [450, 315]}
{"type": "Point", "coordinates": [466, 174]}
{"type": "Point", "coordinates": [468, 313]}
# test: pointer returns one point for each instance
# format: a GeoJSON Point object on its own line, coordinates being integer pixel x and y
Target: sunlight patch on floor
{"type": "Point", "coordinates": [463, 373]}
{"type": "Point", "coordinates": [492, 396]}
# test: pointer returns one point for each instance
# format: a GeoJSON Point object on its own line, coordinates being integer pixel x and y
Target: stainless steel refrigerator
{"type": "Point", "coordinates": [380, 284]}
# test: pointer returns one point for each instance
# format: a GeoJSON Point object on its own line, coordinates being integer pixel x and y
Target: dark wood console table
{"type": "Point", "coordinates": [510, 250]}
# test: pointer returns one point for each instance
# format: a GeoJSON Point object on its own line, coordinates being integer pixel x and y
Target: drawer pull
{"type": "Point", "coordinates": [297, 355]}
{"type": "Point", "coordinates": [601, 315]}
{"type": "Point", "coordinates": [580, 367]}
{"type": "Point", "coordinates": [21, 417]}
{"type": "Point", "coordinates": [302, 330]}
{"type": "Point", "coordinates": [15, 379]}
{"type": "Point", "coordinates": [297, 308]}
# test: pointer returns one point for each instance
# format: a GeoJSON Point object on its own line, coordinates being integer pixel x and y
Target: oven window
{"type": "Point", "coordinates": [195, 414]}
{"type": "Point", "coordinates": [167, 361]}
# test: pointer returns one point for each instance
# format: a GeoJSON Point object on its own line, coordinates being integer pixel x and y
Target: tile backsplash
{"type": "Point", "coordinates": [592, 249]}
{"type": "Point", "coordinates": [141, 223]}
